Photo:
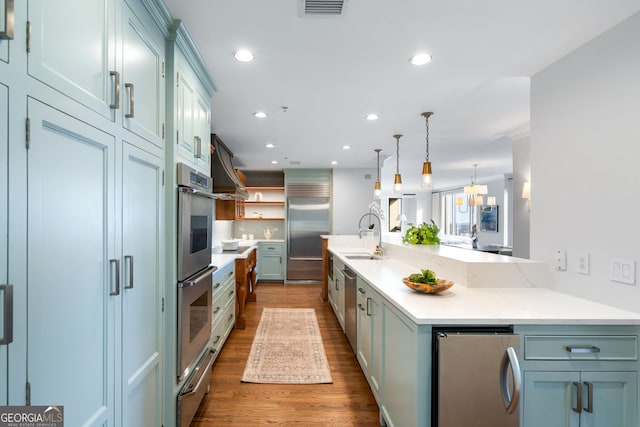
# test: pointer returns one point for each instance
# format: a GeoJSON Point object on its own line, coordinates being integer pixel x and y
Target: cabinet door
{"type": "Point", "coordinates": [142, 77]}
{"type": "Point", "coordinates": [73, 50]}
{"type": "Point", "coordinates": [142, 288]}
{"type": "Point", "coordinates": [271, 267]}
{"type": "Point", "coordinates": [400, 369]}
{"type": "Point", "coordinates": [186, 111]}
{"type": "Point", "coordinates": [4, 230]}
{"type": "Point", "coordinates": [203, 132]}
{"type": "Point", "coordinates": [375, 314]}
{"type": "Point", "coordinates": [548, 399]}
{"type": "Point", "coordinates": [614, 397]}
{"type": "Point", "coordinates": [70, 222]}
{"type": "Point", "coordinates": [363, 325]}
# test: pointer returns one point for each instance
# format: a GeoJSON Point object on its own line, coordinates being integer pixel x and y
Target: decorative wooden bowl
{"type": "Point", "coordinates": [441, 285]}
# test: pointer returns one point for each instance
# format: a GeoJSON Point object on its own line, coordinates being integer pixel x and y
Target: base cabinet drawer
{"type": "Point", "coordinates": [581, 347]}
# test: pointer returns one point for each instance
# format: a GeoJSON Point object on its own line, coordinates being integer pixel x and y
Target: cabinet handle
{"type": "Point", "coordinates": [216, 310]}
{"type": "Point", "coordinates": [116, 84]}
{"type": "Point", "coordinates": [198, 142]}
{"type": "Point", "coordinates": [368, 312]}
{"type": "Point", "coordinates": [337, 281]}
{"type": "Point", "coordinates": [7, 335]}
{"type": "Point", "coordinates": [9, 19]}
{"type": "Point", "coordinates": [582, 349]}
{"type": "Point", "coordinates": [114, 264]}
{"type": "Point", "coordinates": [229, 274]}
{"type": "Point", "coordinates": [578, 407]}
{"type": "Point", "coordinates": [361, 307]}
{"type": "Point", "coordinates": [216, 286]}
{"type": "Point", "coordinates": [589, 407]}
{"type": "Point", "coordinates": [230, 316]}
{"type": "Point", "coordinates": [131, 113]}
{"type": "Point", "coordinates": [510, 358]}
{"type": "Point", "coordinates": [128, 264]}
{"type": "Point", "coordinates": [231, 292]}
{"type": "Point", "coordinates": [362, 292]}
{"type": "Point", "coordinates": [217, 340]}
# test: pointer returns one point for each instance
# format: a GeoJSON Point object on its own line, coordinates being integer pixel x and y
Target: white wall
{"type": "Point", "coordinates": [352, 194]}
{"type": "Point", "coordinates": [585, 149]}
{"type": "Point", "coordinates": [521, 173]}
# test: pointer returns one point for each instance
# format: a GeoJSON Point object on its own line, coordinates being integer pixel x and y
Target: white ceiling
{"type": "Point", "coordinates": [332, 71]}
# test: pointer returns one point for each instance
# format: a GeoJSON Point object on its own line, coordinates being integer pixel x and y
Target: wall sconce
{"type": "Point", "coordinates": [397, 179]}
{"type": "Point", "coordinates": [526, 194]}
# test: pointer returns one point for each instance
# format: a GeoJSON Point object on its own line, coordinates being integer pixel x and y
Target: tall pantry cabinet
{"type": "Point", "coordinates": [85, 83]}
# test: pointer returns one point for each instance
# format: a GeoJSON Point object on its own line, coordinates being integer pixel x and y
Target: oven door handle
{"type": "Point", "coordinates": [193, 280]}
{"type": "Point", "coordinates": [195, 192]}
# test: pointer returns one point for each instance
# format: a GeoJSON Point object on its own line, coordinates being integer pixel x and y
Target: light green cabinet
{"type": "Point", "coordinates": [270, 261]}
{"type": "Point", "coordinates": [406, 370]}
{"type": "Point", "coordinates": [143, 68]}
{"type": "Point", "coordinates": [577, 376]}
{"type": "Point", "coordinates": [223, 306]}
{"type": "Point", "coordinates": [104, 55]}
{"type": "Point", "coordinates": [143, 287]}
{"type": "Point", "coordinates": [338, 291]}
{"type": "Point", "coordinates": [74, 286]}
{"type": "Point", "coordinates": [192, 132]}
{"type": "Point", "coordinates": [95, 285]}
{"type": "Point", "coordinates": [607, 399]}
{"type": "Point", "coordinates": [369, 335]}
{"type": "Point", "coordinates": [73, 48]}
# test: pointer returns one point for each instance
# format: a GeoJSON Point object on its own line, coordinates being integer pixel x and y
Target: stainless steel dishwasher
{"type": "Point", "coordinates": [350, 280]}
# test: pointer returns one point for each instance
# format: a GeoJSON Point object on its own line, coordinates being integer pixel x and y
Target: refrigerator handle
{"type": "Point", "coordinates": [510, 358]}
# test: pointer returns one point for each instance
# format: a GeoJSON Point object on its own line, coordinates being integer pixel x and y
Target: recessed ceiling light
{"type": "Point", "coordinates": [260, 114]}
{"type": "Point", "coordinates": [334, 162]}
{"type": "Point", "coordinates": [274, 162]}
{"type": "Point", "coordinates": [346, 147]}
{"type": "Point", "coordinates": [243, 55]}
{"type": "Point", "coordinates": [372, 117]}
{"type": "Point", "coordinates": [269, 145]}
{"type": "Point", "coordinates": [420, 59]}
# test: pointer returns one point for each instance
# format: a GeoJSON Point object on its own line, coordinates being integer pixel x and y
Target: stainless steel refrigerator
{"type": "Point", "coordinates": [477, 378]}
{"type": "Point", "coordinates": [307, 220]}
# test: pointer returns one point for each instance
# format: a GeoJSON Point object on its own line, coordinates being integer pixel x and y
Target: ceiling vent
{"type": "Point", "coordinates": [322, 7]}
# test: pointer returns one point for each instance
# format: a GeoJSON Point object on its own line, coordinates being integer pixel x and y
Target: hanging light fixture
{"type": "Point", "coordinates": [427, 182]}
{"type": "Point", "coordinates": [377, 189]}
{"type": "Point", "coordinates": [397, 179]}
{"type": "Point", "coordinates": [475, 189]}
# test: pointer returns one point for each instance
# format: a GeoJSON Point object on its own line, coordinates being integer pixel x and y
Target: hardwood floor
{"type": "Point", "coordinates": [346, 402]}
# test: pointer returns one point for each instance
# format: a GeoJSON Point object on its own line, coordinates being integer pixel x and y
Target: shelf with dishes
{"type": "Point", "coordinates": [264, 203]}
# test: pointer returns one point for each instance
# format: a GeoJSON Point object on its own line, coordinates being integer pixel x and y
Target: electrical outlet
{"type": "Point", "coordinates": [583, 263]}
{"type": "Point", "coordinates": [560, 260]}
{"type": "Point", "coordinates": [623, 271]}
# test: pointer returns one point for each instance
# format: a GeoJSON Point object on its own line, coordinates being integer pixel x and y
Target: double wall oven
{"type": "Point", "coordinates": [195, 225]}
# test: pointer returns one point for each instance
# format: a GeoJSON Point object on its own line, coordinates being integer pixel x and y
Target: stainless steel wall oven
{"type": "Point", "coordinates": [194, 293]}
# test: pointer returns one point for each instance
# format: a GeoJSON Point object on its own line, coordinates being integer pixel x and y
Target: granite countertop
{"type": "Point", "coordinates": [480, 304]}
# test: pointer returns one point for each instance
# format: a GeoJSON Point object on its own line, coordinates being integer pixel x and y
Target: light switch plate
{"type": "Point", "coordinates": [560, 260]}
{"type": "Point", "coordinates": [623, 270]}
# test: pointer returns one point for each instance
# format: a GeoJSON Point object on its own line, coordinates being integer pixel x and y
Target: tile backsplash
{"type": "Point", "coordinates": [257, 228]}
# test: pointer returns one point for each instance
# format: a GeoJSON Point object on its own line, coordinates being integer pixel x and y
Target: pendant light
{"type": "Point", "coordinates": [397, 179]}
{"type": "Point", "coordinates": [427, 182]}
{"type": "Point", "coordinates": [377, 189]}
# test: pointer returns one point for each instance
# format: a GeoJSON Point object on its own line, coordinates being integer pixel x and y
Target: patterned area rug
{"type": "Point", "coordinates": [287, 349]}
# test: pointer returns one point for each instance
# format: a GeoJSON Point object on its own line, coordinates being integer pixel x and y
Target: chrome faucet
{"type": "Point", "coordinates": [360, 230]}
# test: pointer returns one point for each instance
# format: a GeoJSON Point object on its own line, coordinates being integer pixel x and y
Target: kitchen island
{"type": "Point", "coordinates": [567, 344]}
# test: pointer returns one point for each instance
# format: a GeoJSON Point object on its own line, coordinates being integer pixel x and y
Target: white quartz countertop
{"type": "Point", "coordinates": [481, 305]}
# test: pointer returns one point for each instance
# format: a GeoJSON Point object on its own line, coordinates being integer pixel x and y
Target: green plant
{"type": "Point", "coordinates": [426, 276]}
{"type": "Point", "coordinates": [424, 234]}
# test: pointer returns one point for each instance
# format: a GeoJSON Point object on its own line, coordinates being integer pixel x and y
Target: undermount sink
{"type": "Point", "coordinates": [362, 256]}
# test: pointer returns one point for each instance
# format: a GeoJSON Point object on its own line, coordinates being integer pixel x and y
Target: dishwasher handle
{"type": "Point", "coordinates": [349, 274]}
{"type": "Point", "coordinates": [510, 358]}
